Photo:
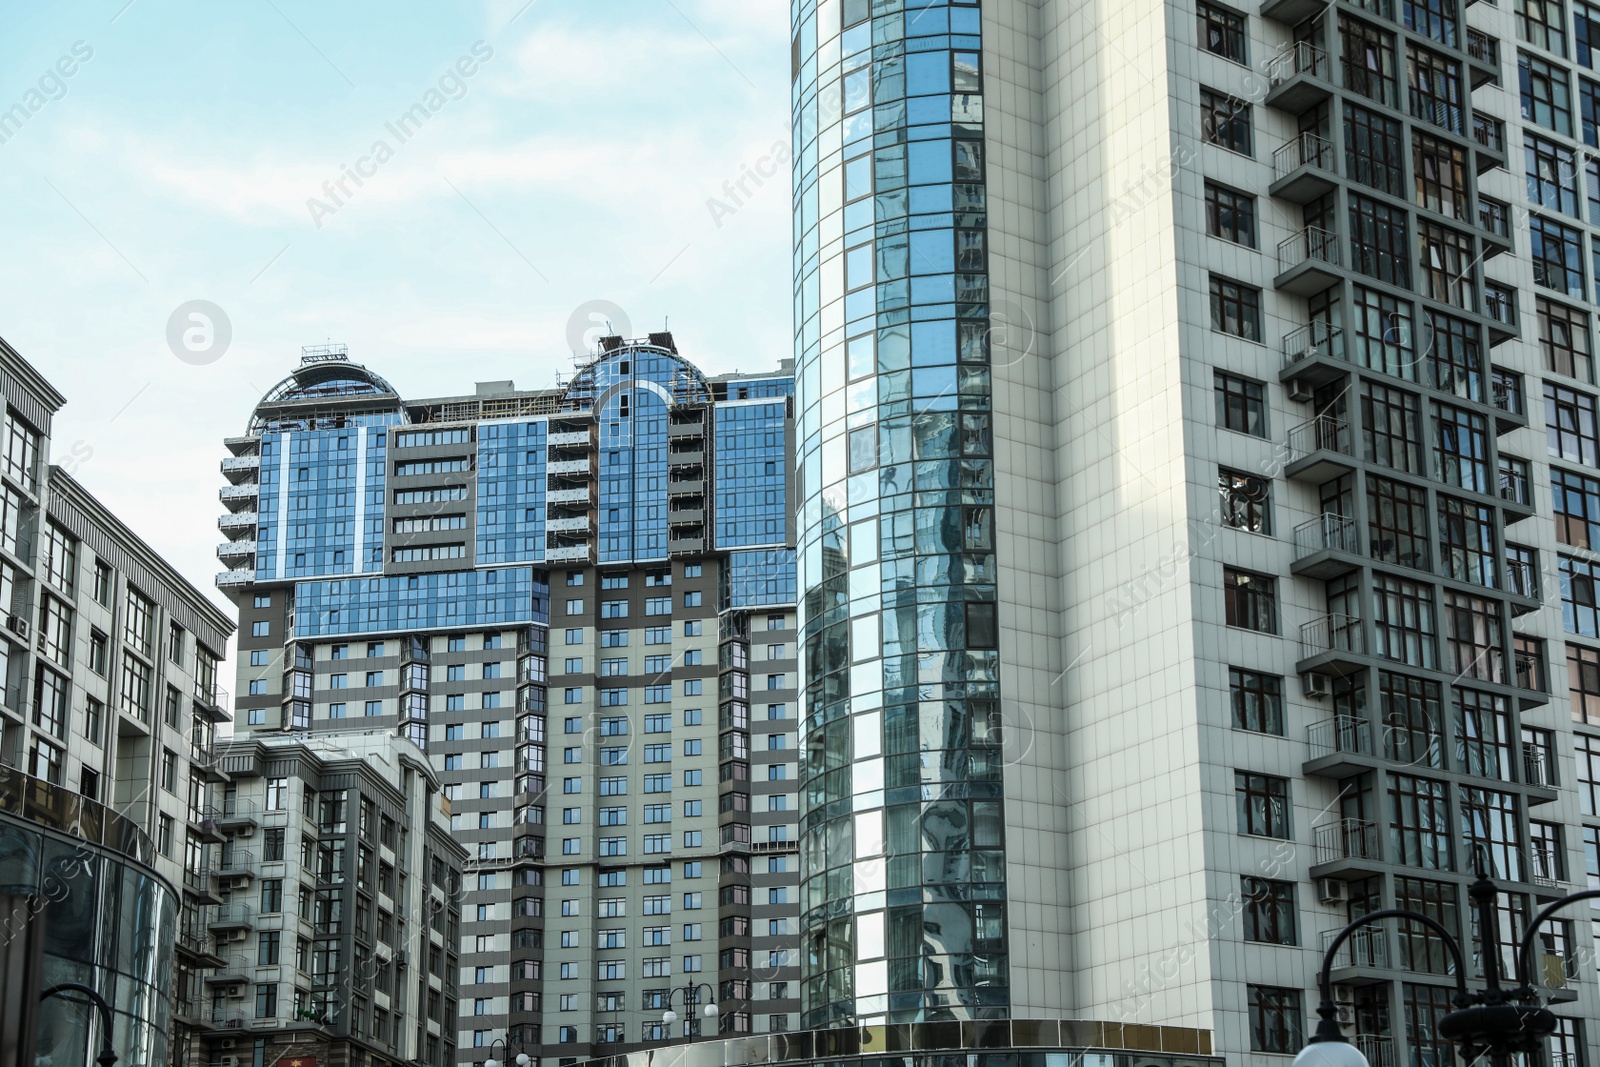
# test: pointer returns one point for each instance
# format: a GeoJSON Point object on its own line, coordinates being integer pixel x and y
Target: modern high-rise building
{"type": "Point", "coordinates": [108, 709]}
{"type": "Point", "coordinates": [580, 604]}
{"type": "Point", "coordinates": [1197, 492]}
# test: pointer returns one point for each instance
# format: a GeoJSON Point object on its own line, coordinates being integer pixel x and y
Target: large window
{"type": "Point", "coordinates": [1368, 61]}
{"type": "Point", "coordinates": [1391, 427]}
{"type": "Point", "coordinates": [1421, 948]}
{"type": "Point", "coordinates": [1466, 540]}
{"type": "Point", "coordinates": [1579, 614]}
{"type": "Point", "coordinates": [1474, 637]}
{"type": "Point", "coordinates": [1483, 735]}
{"type": "Point", "coordinates": [1251, 600]}
{"type": "Point", "coordinates": [1432, 18]}
{"type": "Point", "coordinates": [1557, 256]}
{"type": "Point", "coordinates": [1372, 150]}
{"type": "Point", "coordinates": [1230, 215]}
{"type": "Point", "coordinates": [1235, 308]}
{"type": "Point", "coordinates": [1222, 31]}
{"type": "Point", "coordinates": [1435, 84]}
{"type": "Point", "coordinates": [1461, 448]}
{"type": "Point", "coordinates": [1277, 1022]}
{"type": "Point", "coordinates": [1383, 333]}
{"type": "Point", "coordinates": [1564, 338]}
{"type": "Point", "coordinates": [1246, 501]}
{"type": "Point", "coordinates": [1269, 910]}
{"type": "Point", "coordinates": [1257, 701]}
{"type": "Point", "coordinates": [1490, 825]}
{"type": "Point", "coordinates": [1446, 261]}
{"type": "Point", "coordinates": [1541, 23]}
{"type": "Point", "coordinates": [1379, 247]}
{"type": "Point", "coordinates": [1586, 751]}
{"type": "Point", "coordinates": [1261, 803]}
{"type": "Point", "coordinates": [1583, 680]}
{"type": "Point", "coordinates": [1241, 404]}
{"type": "Point", "coordinates": [1569, 424]}
{"type": "Point", "coordinates": [1403, 621]}
{"type": "Point", "coordinates": [1552, 174]}
{"type": "Point", "coordinates": [1576, 502]}
{"type": "Point", "coordinates": [1546, 93]}
{"type": "Point", "coordinates": [1422, 1008]}
{"type": "Point", "coordinates": [1441, 176]}
{"type": "Point", "coordinates": [1419, 822]}
{"type": "Point", "coordinates": [1225, 121]}
{"type": "Point", "coordinates": [1413, 720]}
{"type": "Point", "coordinates": [1455, 357]}
{"type": "Point", "coordinates": [1397, 517]}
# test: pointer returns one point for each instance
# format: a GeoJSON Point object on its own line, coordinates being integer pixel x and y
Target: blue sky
{"type": "Point", "coordinates": [177, 160]}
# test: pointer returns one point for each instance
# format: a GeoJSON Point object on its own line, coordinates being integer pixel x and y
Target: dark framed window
{"type": "Point", "coordinates": [1397, 523]}
{"type": "Point", "coordinates": [1474, 637]}
{"type": "Point", "coordinates": [1269, 910]}
{"type": "Point", "coordinates": [1461, 448]}
{"type": "Point", "coordinates": [1541, 23]}
{"type": "Point", "coordinates": [1552, 173]}
{"type": "Point", "coordinates": [1391, 428]}
{"type": "Point", "coordinates": [1379, 246]}
{"type": "Point", "coordinates": [1241, 404]}
{"type": "Point", "coordinates": [1246, 501]}
{"type": "Point", "coordinates": [1413, 720]}
{"type": "Point", "coordinates": [1368, 60]}
{"type": "Point", "coordinates": [1277, 1019]}
{"type": "Point", "coordinates": [1546, 93]}
{"type": "Point", "coordinates": [1384, 339]}
{"type": "Point", "coordinates": [1569, 424]}
{"type": "Point", "coordinates": [1579, 613]}
{"type": "Point", "coordinates": [1435, 88]}
{"type": "Point", "coordinates": [1575, 500]}
{"type": "Point", "coordinates": [1235, 308]}
{"type": "Point", "coordinates": [1466, 541]}
{"type": "Point", "coordinates": [1583, 683]}
{"type": "Point", "coordinates": [1491, 825]}
{"type": "Point", "coordinates": [1565, 340]}
{"type": "Point", "coordinates": [1372, 150]}
{"type": "Point", "coordinates": [1230, 215]}
{"type": "Point", "coordinates": [1222, 31]}
{"type": "Point", "coordinates": [1257, 701]}
{"type": "Point", "coordinates": [1422, 1006]}
{"type": "Point", "coordinates": [1589, 111]}
{"type": "Point", "coordinates": [1455, 356]}
{"type": "Point", "coordinates": [1441, 176]}
{"type": "Point", "coordinates": [1420, 834]}
{"type": "Point", "coordinates": [1421, 948]}
{"type": "Point", "coordinates": [1557, 251]}
{"type": "Point", "coordinates": [1261, 802]}
{"type": "Point", "coordinates": [1483, 735]}
{"type": "Point", "coordinates": [1225, 121]}
{"type": "Point", "coordinates": [1251, 600]}
{"type": "Point", "coordinates": [1446, 262]}
{"type": "Point", "coordinates": [1586, 24]}
{"type": "Point", "coordinates": [1403, 621]}
{"type": "Point", "coordinates": [1431, 18]}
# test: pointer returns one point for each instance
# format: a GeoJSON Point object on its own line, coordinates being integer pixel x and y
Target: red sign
{"type": "Point", "coordinates": [300, 1061]}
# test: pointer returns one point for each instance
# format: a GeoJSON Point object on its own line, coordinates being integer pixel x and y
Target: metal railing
{"type": "Point", "coordinates": [238, 808]}
{"type": "Point", "coordinates": [1313, 340]}
{"type": "Point", "coordinates": [233, 915]}
{"type": "Point", "coordinates": [1312, 244]}
{"type": "Point", "coordinates": [1322, 433]}
{"type": "Point", "coordinates": [1544, 868]}
{"type": "Point", "coordinates": [236, 861]}
{"type": "Point", "coordinates": [1331, 633]}
{"type": "Point", "coordinates": [1482, 47]}
{"type": "Point", "coordinates": [1536, 769]}
{"type": "Point", "coordinates": [1345, 839]}
{"type": "Point", "coordinates": [1300, 57]}
{"type": "Point", "coordinates": [1514, 486]}
{"type": "Point", "coordinates": [1520, 579]}
{"type": "Point", "coordinates": [1506, 389]}
{"type": "Point", "coordinates": [1306, 149]}
{"type": "Point", "coordinates": [1367, 947]}
{"type": "Point", "coordinates": [1342, 733]}
{"type": "Point", "coordinates": [1500, 304]}
{"type": "Point", "coordinates": [1494, 217]}
{"type": "Point", "coordinates": [1326, 531]}
{"type": "Point", "coordinates": [1489, 133]}
{"type": "Point", "coordinates": [1378, 1050]}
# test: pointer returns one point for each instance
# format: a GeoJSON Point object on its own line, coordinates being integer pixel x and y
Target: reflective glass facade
{"type": "Point", "coordinates": [903, 906]}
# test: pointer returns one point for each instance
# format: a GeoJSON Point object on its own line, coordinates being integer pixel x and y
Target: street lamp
{"type": "Point", "coordinates": [108, 1055]}
{"type": "Point", "coordinates": [521, 1059]}
{"type": "Point", "coordinates": [691, 993]}
{"type": "Point", "coordinates": [1497, 1021]}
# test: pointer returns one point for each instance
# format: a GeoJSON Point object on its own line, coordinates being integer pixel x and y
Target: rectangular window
{"type": "Point", "coordinates": [1257, 701]}
{"type": "Point", "coordinates": [1251, 600]}
{"type": "Point", "coordinates": [1446, 259]}
{"type": "Point", "coordinates": [1397, 515]}
{"type": "Point", "coordinates": [1222, 31]}
{"type": "Point", "coordinates": [1474, 637]}
{"type": "Point", "coordinates": [1277, 1022]}
{"type": "Point", "coordinates": [1230, 215]}
{"type": "Point", "coordinates": [1379, 245]}
{"type": "Point", "coordinates": [1412, 720]}
{"type": "Point", "coordinates": [1246, 501]}
{"type": "Point", "coordinates": [1467, 541]}
{"type": "Point", "coordinates": [1261, 803]}
{"type": "Point", "coordinates": [1579, 613]}
{"type": "Point", "coordinates": [1419, 822]}
{"type": "Point", "coordinates": [1552, 174]}
{"type": "Point", "coordinates": [1383, 333]}
{"type": "Point", "coordinates": [1225, 121]}
{"type": "Point", "coordinates": [1269, 911]}
{"type": "Point", "coordinates": [1435, 88]}
{"type": "Point", "coordinates": [1557, 252]}
{"type": "Point", "coordinates": [1403, 621]}
{"type": "Point", "coordinates": [1235, 308]}
{"type": "Point", "coordinates": [1461, 450]}
{"type": "Point", "coordinates": [1372, 151]}
{"type": "Point", "coordinates": [1546, 93]}
{"type": "Point", "coordinates": [1569, 424]}
{"type": "Point", "coordinates": [1565, 340]}
{"type": "Point", "coordinates": [1241, 404]}
{"type": "Point", "coordinates": [1542, 24]}
{"type": "Point", "coordinates": [1368, 61]}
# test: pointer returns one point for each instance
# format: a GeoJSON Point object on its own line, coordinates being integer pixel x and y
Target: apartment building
{"type": "Point", "coordinates": [579, 603]}
{"type": "Point", "coordinates": [1195, 463]}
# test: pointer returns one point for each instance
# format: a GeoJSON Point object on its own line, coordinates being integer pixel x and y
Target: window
{"type": "Point", "coordinates": [1473, 636]}
{"type": "Point", "coordinates": [1541, 23]}
{"type": "Point", "coordinates": [1372, 150]}
{"type": "Point", "coordinates": [1230, 215]}
{"type": "Point", "coordinates": [1257, 700]}
{"type": "Point", "coordinates": [1379, 246]}
{"type": "Point", "coordinates": [1222, 32]}
{"type": "Point", "coordinates": [1246, 502]}
{"type": "Point", "coordinates": [1368, 61]}
{"type": "Point", "coordinates": [1546, 93]}
{"type": "Point", "coordinates": [1578, 609]}
{"type": "Point", "coordinates": [1261, 803]}
{"type": "Point", "coordinates": [1225, 122]}
{"type": "Point", "coordinates": [1419, 825]}
{"type": "Point", "coordinates": [1383, 333]}
{"type": "Point", "coordinates": [1235, 308]}
{"type": "Point", "coordinates": [1276, 1020]}
{"type": "Point", "coordinates": [1461, 450]}
{"type": "Point", "coordinates": [1269, 911]}
{"type": "Point", "coordinates": [1466, 541]}
{"type": "Point", "coordinates": [1251, 600]}
{"type": "Point", "coordinates": [1569, 424]}
{"type": "Point", "coordinates": [1552, 174]}
{"type": "Point", "coordinates": [1435, 88]}
{"type": "Point", "coordinates": [1441, 176]}
{"type": "Point", "coordinates": [1403, 621]}
{"type": "Point", "coordinates": [1586, 750]}
{"type": "Point", "coordinates": [1557, 252]}
{"type": "Point", "coordinates": [1564, 338]}
{"type": "Point", "coordinates": [1241, 404]}
{"type": "Point", "coordinates": [1397, 523]}
{"type": "Point", "coordinates": [1446, 260]}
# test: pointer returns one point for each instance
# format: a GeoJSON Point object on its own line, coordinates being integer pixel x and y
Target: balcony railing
{"type": "Point", "coordinates": [1322, 433]}
{"type": "Point", "coordinates": [1345, 839]}
{"type": "Point", "coordinates": [1544, 868]}
{"type": "Point", "coordinates": [1367, 947]}
{"type": "Point", "coordinates": [1305, 150]}
{"type": "Point", "coordinates": [62, 808]}
{"type": "Point", "coordinates": [1494, 217]}
{"type": "Point", "coordinates": [1514, 485]}
{"type": "Point", "coordinates": [1500, 304]}
{"type": "Point", "coordinates": [1313, 340]}
{"type": "Point", "coordinates": [1488, 132]}
{"type": "Point", "coordinates": [1342, 733]}
{"type": "Point", "coordinates": [1485, 49]}
{"type": "Point", "coordinates": [1301, 57]}
{"type": "Point", "coordinates": [1536, 769]}
{"type": "Point", "coordinates": [1506, 389]}
{"type": "Point", "coordinates": [1326, 531]}
{"type": "Point", "coordinates": [233, 915]}
{"type": "Point", "coordinates": [1378, 1050]}
{"type": "Point", "coordinates": [1331, 633]}
{"type": "Point", "coordinates": [236, 861]}
{"type": "Point", "coordinates": [1530, 669]}
{"type": "Point", "coordinates": [1312, 244]}
{"type": "Point", "coordinates": [1521, 579]}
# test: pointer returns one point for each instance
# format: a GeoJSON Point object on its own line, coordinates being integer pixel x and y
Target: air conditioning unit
{"type": "Point", "coordinates": [241, 883]}
{"type": "Point", "coordinates": [236, 990]}
{"type": "Point", "coordinates": [228, 1061]}
{"type": "Point", "coordinates": [1299, 391]}
{"type": "Point", "coordinates": [227, 1043]}
{"type": "Point", "coordinates": [400, 958]}
{"type": "Point", "coordinates": [246, 831]}
{"type": "Point", "coordinates": [1315, 685]}
{"type": "Point", "coordinates": [17, 625]}
{"type": "Point", "coordinates": [1332, 891]}
{"type": "Point", "coordinates": [238, 935]}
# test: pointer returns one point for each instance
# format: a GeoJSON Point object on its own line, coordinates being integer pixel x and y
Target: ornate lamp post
{"type": "Point", "coordinates": [520, 1059]}
{"type": "Point", "coordinates": [691, 994]}
{"type": "Point", "coordinates": [1497, 1021]}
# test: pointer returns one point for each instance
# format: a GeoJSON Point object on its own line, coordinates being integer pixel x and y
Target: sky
{"type": "Point", "coordinates": [564, 164]}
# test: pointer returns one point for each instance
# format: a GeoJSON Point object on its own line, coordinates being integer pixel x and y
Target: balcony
{"type": "Point", "coordinates": [239, 495]}
{"type": "Point", "coordinates": [686, 457]}
{"type": "Point", "coordinates": [686, 486]}
{"type": "Point", "coordinates": [235, 967]}
{"type": "Point", "coordinates": [1365, 949]}
{"type": "Point", "coordinates": [1347, 846]}
{"type": "Point", "coordinates": [1505, 392]}
{"type": "Point", "coordinates": [1303, 169]}
{"type": "Point", "coordinates": [1319, 449]}
{"type": "Point", "coordinates": [567, 468]}
{"type": "Point", "coordinates": [237, 521]}
{"type": "Point", "coordinates": [237, 863]}
{"type": "Point", "coordinates": [232, 917]}
{"type": "Point", "coordinates": [1516, 494]}
{"type": "Point", "coordinates": [1500, 308]}
{"type": "Point", "coordinates": [231, 1019]}
{"type": "Point", "coordinates": [1378, 1049]}
{"type": "Point", "coordinates": [1326, 547]}
{"type": "Point", "coordinates": [1333, 642]}
{"type": "Point", "coordinates": [686, 516]}
{"type": "Point", "coordinates": [680, 543]}
{"type": "Point", "coordinates": [1521, 581]}
{"type": "Point", "coordinates": [1332, 742]}
{"type": "Point", "coordinates": [569, 497]}
{"type": "Point", "coordinates": [1291, 13]}
{"type": "Point", "coordinates": [235, 578]}
{"type": "Point", "coordinates": [567, 553]}
{"type": "Point", "coordinates": [1494, 226]}
{"type": "Point", "coordinates": [241, 468]}
{"type": "Point", "coordinates": [1308, 262]}
{"type": "Point", "coordinates": [230, 551]}
{"type": "Point", "coordinates": [573, 525]}
{"type": "Point", "coordinates": [1483, 58]}
{"type": "Point", "coordinates": [239, 814]}
{"type": "Point", "coordinates": [1491, 137]}
{"type": "Point", "coordinates": [1297, 78]}
{"type": "Point", "coordinates": [1544, 870]}
{"type": "Point", "coordinates": [1314, 354]}
{"type": "Point", "coordinates": [1538, 771]}
{"type": "Point", "coordinates": [575, 439]}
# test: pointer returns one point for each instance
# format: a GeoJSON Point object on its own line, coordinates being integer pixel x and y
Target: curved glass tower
{"type": "Point", "coordinates": [903, 850]}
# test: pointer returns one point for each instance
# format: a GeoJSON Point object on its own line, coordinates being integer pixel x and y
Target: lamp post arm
{"type": "Point", "coordinates": [108, 1054]}
{"type": "Point", "coordinates": [1325, 975]}
{"type": "Point", "coordinates": [1525, 950]}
